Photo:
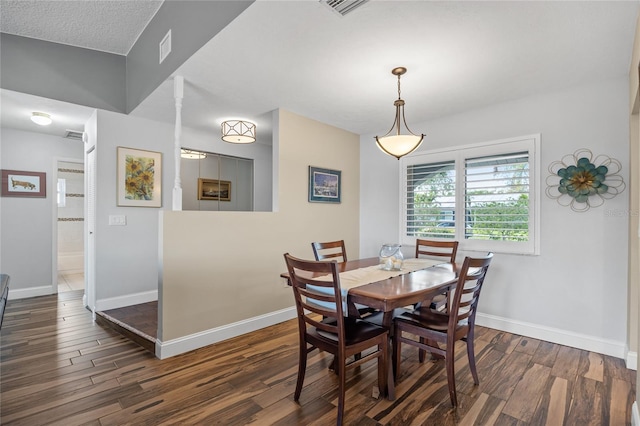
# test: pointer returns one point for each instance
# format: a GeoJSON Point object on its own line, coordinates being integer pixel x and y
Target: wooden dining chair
{"type": "Point", "coordinates": [331, 250]}
{"type": "Point", "coordinates": [445, 250]}
{"type": "Point", "coordinates": [428, 329]}
{"type": "Point", "coordinates": [320, 298]}
{"type": "Point", "coordinates": [336, 250]}
{"type": "Point", "coordinates": [435, 249]}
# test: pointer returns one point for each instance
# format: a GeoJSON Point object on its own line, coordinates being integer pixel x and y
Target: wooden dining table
{"type": "Point", "coordinates": [396, 292]}
{"type": "Point", "coordinates": [399, 291]}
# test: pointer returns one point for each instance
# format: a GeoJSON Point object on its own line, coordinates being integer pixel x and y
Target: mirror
{"type": "Point", "coordinates": [218, 182]}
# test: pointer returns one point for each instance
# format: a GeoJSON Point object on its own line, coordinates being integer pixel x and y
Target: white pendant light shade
{"type": "Point", "coordinates": [41, 118]}
{"type": "Point", "coordinates": [399, 145]}
{"type": "Point", "coordinates": [238, 131]}
{"type": "Point", "coordinates": [399, 141]}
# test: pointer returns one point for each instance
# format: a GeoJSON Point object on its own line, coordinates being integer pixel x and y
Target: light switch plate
{"type": "Point", "coordinates": [117, 220]}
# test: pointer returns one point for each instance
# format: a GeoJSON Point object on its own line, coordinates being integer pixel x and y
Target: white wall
{"type": "Point", "coordinates": [127, 256]}
{"type": "Point", "coordinates": [574, 292]}
{"type": "Point", "coordinates": [26, 224]}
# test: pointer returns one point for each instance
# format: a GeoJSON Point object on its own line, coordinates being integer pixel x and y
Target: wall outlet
{"type": "Point", "coordinates": [117, 220]}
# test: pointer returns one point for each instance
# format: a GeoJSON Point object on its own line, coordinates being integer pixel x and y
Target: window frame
{"type": "Point", "coordinates": [458, 154]}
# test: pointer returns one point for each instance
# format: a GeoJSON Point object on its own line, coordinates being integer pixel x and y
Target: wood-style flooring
{"type": "Point", "coordinates": [59, 367]}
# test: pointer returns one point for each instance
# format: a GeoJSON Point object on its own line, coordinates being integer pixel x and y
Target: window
{"type": "Point", "coordinates": [485, 196]}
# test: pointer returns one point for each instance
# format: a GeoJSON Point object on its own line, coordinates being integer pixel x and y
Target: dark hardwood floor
{"type": "Point", "coordinates": [59, 367]}
{"type": "Point", "coordinates": [138, 322]}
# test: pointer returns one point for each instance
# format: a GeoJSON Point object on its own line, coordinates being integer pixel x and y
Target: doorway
{"type": "Point", "coordinates": [70, 225]}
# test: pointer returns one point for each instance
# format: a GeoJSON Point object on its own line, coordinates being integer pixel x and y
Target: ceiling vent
{"type": "Point", "coordinates": [343, 6]}
{"type": "Point", "coordinates": [73, 134]}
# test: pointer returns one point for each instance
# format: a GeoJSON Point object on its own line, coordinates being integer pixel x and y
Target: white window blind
{"type": "Point", "coordinates": [484, 195]}
{"type": "Point", "coordinates": [497, 197]}
{"type": "Point", "coordinates": [431, 200]}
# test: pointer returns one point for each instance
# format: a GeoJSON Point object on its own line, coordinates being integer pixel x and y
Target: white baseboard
{"type": "Point", "coordinates": [128, 300]}
{"type": "Point", "coordinates": [198, 340]}
{"type": "Point", "coordinates": [554, 335]}
{"type": "Point", "coordinates": [635, 416]}
{"type": "Point", "coordinates": [631, 360]}
{"type": "Point", "coordinates": [23, 293]}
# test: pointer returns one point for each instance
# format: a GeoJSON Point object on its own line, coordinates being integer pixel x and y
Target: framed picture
{"type": "Point", "coordinates": [17, 183]}
{"type": "Point", "coordinates": [213, 189]}
{"type": "Point", "coordinates": [324, 185]}
{"type": "Point", "coordinates": [139, 178]}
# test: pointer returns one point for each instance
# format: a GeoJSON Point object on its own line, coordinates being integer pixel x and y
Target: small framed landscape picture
{"type": "Point", "coordinates": [324, 185]}
{"type": "Point", "coordinates": [213, 189]}
{"type": "Point", "coordinates": [16, 183]}
{"type": "Point", "coordinates": [139, 178]}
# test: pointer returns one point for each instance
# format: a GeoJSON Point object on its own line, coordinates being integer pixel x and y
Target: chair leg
{"type": "Point", "coordinates": [302, 368]}
{"type": "Point", "coordinates": [383, 367]}
{"type": "Point", "coordinates": [396, 356]}
{"type": "Point", "coordinates": [341, 389]}
{"type": "Point", "coordinates": [451, 374]}
{"type": "Point", "coordinates": [472, 357]}
{"type": "Point", "coordinates": [421, 352]}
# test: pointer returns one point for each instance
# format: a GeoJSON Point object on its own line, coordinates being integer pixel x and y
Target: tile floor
{"type": "Point", "coordinates": [70, 280]}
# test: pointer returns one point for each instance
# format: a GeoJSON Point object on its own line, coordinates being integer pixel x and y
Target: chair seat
{"type": "Point", "coordinates": [438, 302]}
{"type": "Point", "coordinates": [355, 332]}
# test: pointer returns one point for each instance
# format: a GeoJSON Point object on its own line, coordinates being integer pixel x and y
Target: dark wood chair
{"type": "Point", "coordinates": [335, 250]}
{"type": "Point", "coordinates": [316, 299]}
{"type": "Point", "coordinates": [446, 250]}
{"type": "Point", "coordinates": [331, 250]}
{"type": "Point", "coordinates": [428, 329]}
{"type": "Point", "coordinates": [434, 249]}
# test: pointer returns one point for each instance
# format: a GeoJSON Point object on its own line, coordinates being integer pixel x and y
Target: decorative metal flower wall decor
{"type": "Point", "coordinates": [580, 181]}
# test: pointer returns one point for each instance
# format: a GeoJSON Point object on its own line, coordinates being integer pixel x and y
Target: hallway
{"type": "Point", "coordinates": [70, 281]}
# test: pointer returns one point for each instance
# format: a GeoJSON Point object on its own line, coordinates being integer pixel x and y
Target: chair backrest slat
{"type": "Point", "coordinates": [331, 250]}
{"type": "Point", "coordinates": [446, 250]}
{"type": "Point", "coordinates": [467, 291]}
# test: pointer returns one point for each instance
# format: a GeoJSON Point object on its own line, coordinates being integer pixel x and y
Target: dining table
{"type": "Point", "coordinates": [364, 282]}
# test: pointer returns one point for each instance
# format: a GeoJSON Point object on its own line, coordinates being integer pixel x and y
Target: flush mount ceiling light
{"type": "Point", "coordinates": [238, 131]}
{"type": "Point", "coordinates": [192, 155]}
{"type": "Point", "coordinates": [396, 143]}
{"type": "Point", "coordinates": [41, 118]}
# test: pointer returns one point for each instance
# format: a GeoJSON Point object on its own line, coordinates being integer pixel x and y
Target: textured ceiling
{"type": "Point", "coordinates": [108, 26]}
{"type": "Point", "coordinates": [303, 57]}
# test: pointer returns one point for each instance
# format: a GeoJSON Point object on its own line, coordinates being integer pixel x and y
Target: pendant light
{"type": "Point", "coordinates": [395, 143]}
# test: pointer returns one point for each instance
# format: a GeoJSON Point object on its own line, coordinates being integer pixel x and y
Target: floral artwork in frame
{"type": "Point", "coordinates": [139, 178]}
{"type": "Point", "coordinates": [324, 185]}
{"type": "Point", "coordinates": [16, 183]}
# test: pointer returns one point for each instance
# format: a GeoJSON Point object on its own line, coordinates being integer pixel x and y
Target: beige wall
{"type": "Point", "coordinates": [634, 203]}
{"type": "Point", "coordinates": [219, 268]}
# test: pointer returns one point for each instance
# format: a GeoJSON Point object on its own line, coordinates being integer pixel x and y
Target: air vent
{"type": "Point", "coordinates": [165, 46]}
{"type": "Point", "coordinates": [343, 6]}
{"type": "Point", "coordinates": [73, 134]}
